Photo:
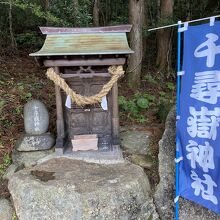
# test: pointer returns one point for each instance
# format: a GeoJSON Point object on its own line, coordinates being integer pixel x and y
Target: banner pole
{"type": "Point", "coordinates": [176, 24]}
{"type": "Point", "coordinates": [177, 115]}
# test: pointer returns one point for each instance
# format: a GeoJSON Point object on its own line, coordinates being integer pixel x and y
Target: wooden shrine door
{"type": "Point", "coordinates": [90, 119]}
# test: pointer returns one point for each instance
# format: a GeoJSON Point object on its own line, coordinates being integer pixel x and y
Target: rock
{"type": "Point", "coordinates": [6, 210]}
{"type": "Point", "coordinates": [36, 117]}
{"type": "Point", "coordinates": [142, 160]}
{"type": "Point", "coordinates": [10, 171]}
{"type": "Point", "coordinates": [68, 189]}
{"type": "Point", "coordinates": [29, 159]}
{"type": "Point", "coordinates": [164, 195]}
{"type": "Point", "coordinates": [37, 142]}
{"type": "Point", "coordinates": [145, 214]}
{"type": "Point", "coordinates": [192, 211]}
{"type": "Point", "coordinates": [135, 142]}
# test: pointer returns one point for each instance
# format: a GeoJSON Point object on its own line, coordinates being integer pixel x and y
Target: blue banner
{"type": "Point", "coordinates": [198, 128]}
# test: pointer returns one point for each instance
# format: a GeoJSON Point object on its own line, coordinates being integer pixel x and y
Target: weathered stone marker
{"type": "Point", "coordinates": [36, 122]}
{"type": "Point", "coordinates": [36, 118]}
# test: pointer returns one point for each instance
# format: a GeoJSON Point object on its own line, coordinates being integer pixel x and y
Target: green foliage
{"type": "Point", "coordinates": [6, 162]}
{"type": "Point", "coordinates": [127, 105]}
{"type": "Point", "coordinates": [163, 110]}
{"type": "Point", "coordinates": [166, 101]}
{"type": "Point", "coordinates": [152, 12]}
{"type": "Point", "coordinates": [149, 78]}
{"type": "Point", "coordinates": [27, 15]}
{"type": "Point", "coordinates": [80, 16]}
{"type": "Point", "coordinates": [119, 20]}
{"type": "Point", "coordinates": [37, 10]}
{"type": "Point", "coordinates": [162, 94]}
{"type": "Point", "coordinates": [141, 119]}
{"type": "Point", "coordinates": [2, 103]}
{"type": "Point", "coordinates": [18, 110]}
{"type": "Point", "coordinates": [29, 39]}
{"type": "Point", "coordinates": [145, 95]}
{"type": "Point", "coordinates": [114, 12]}
{"type": "Point", "coordinates": [143, 103]}
{"type": "Point", "coordinates": [14, 216]}
{"type": "Point", "coordinates": [136, 106]}
{"type": "Point", "coordinates": [24, 94]}
{"type": "Point", "coordinates": [84, 16]}
{"type": "Point", "coordinates": [165, 21]}
{"type": "Point", "coordinates": [6, 122]}
{"type": "Point", "coordinates": [170, 86]}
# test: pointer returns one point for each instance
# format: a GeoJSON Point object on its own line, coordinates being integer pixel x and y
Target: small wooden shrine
{"type": "Point", "coordinates": [82, 57]}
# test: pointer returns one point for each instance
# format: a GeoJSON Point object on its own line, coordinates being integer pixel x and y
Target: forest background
{"type": "Point", "coordinates": [147, 92]}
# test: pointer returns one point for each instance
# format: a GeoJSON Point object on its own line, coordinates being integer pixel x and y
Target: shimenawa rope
{"type": "Point", "coordinates": [115, 71]}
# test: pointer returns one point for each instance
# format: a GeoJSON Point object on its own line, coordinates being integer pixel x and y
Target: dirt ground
{"type": "Point", "coordinates": [20, 80]}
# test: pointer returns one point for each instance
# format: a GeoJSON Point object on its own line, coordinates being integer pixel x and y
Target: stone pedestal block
{"type": "Point", "coordinates": [35, 142]}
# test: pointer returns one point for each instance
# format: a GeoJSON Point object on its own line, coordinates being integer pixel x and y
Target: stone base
{"type": "Point", "coordinates": [72, 189]}
{"type": "Point", "coordinates": [29, 159]}
{"type": "Point", "coordinates": [101, 157]}
{"type": "Point", "coordinates": [106, 157]}
{"type": "Point", "coordinates": [35, 142]}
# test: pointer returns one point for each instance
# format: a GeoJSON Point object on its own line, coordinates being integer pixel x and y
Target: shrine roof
{"type": "Point", "coordinates": [85, 41]}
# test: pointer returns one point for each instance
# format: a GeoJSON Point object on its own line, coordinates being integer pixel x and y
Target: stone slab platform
{"type": "Point", "coordinates": [66, 189]}
{"type": "Point", "coordinates": [114, 156]}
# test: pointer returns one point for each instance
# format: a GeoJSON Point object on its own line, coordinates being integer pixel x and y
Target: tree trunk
{"type": "Point", "coordinates": [13, 42]}
{"type": "Point", "coordinates": [47, 9]}
{"type": "Point", "coordinates": [96, 9]}
{"type": "Point", "coordinates": [47, 5]}
{"type": "Point", "coordinates": [158, 9]}
{"type": "Point", "coordinates": [136, 9]}
{"type": "Point", "coordinates": [75, 12]}
{"type": "Point", "coordinates": [211, 5]}
{"type": "Point", "coordinates": [164, 37]}
{"type": "Point", "coordinates": [144, 24]}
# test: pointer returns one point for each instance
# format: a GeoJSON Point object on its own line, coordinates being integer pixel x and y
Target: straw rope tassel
{"type": "Point", "coordinates": [115, 71]}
